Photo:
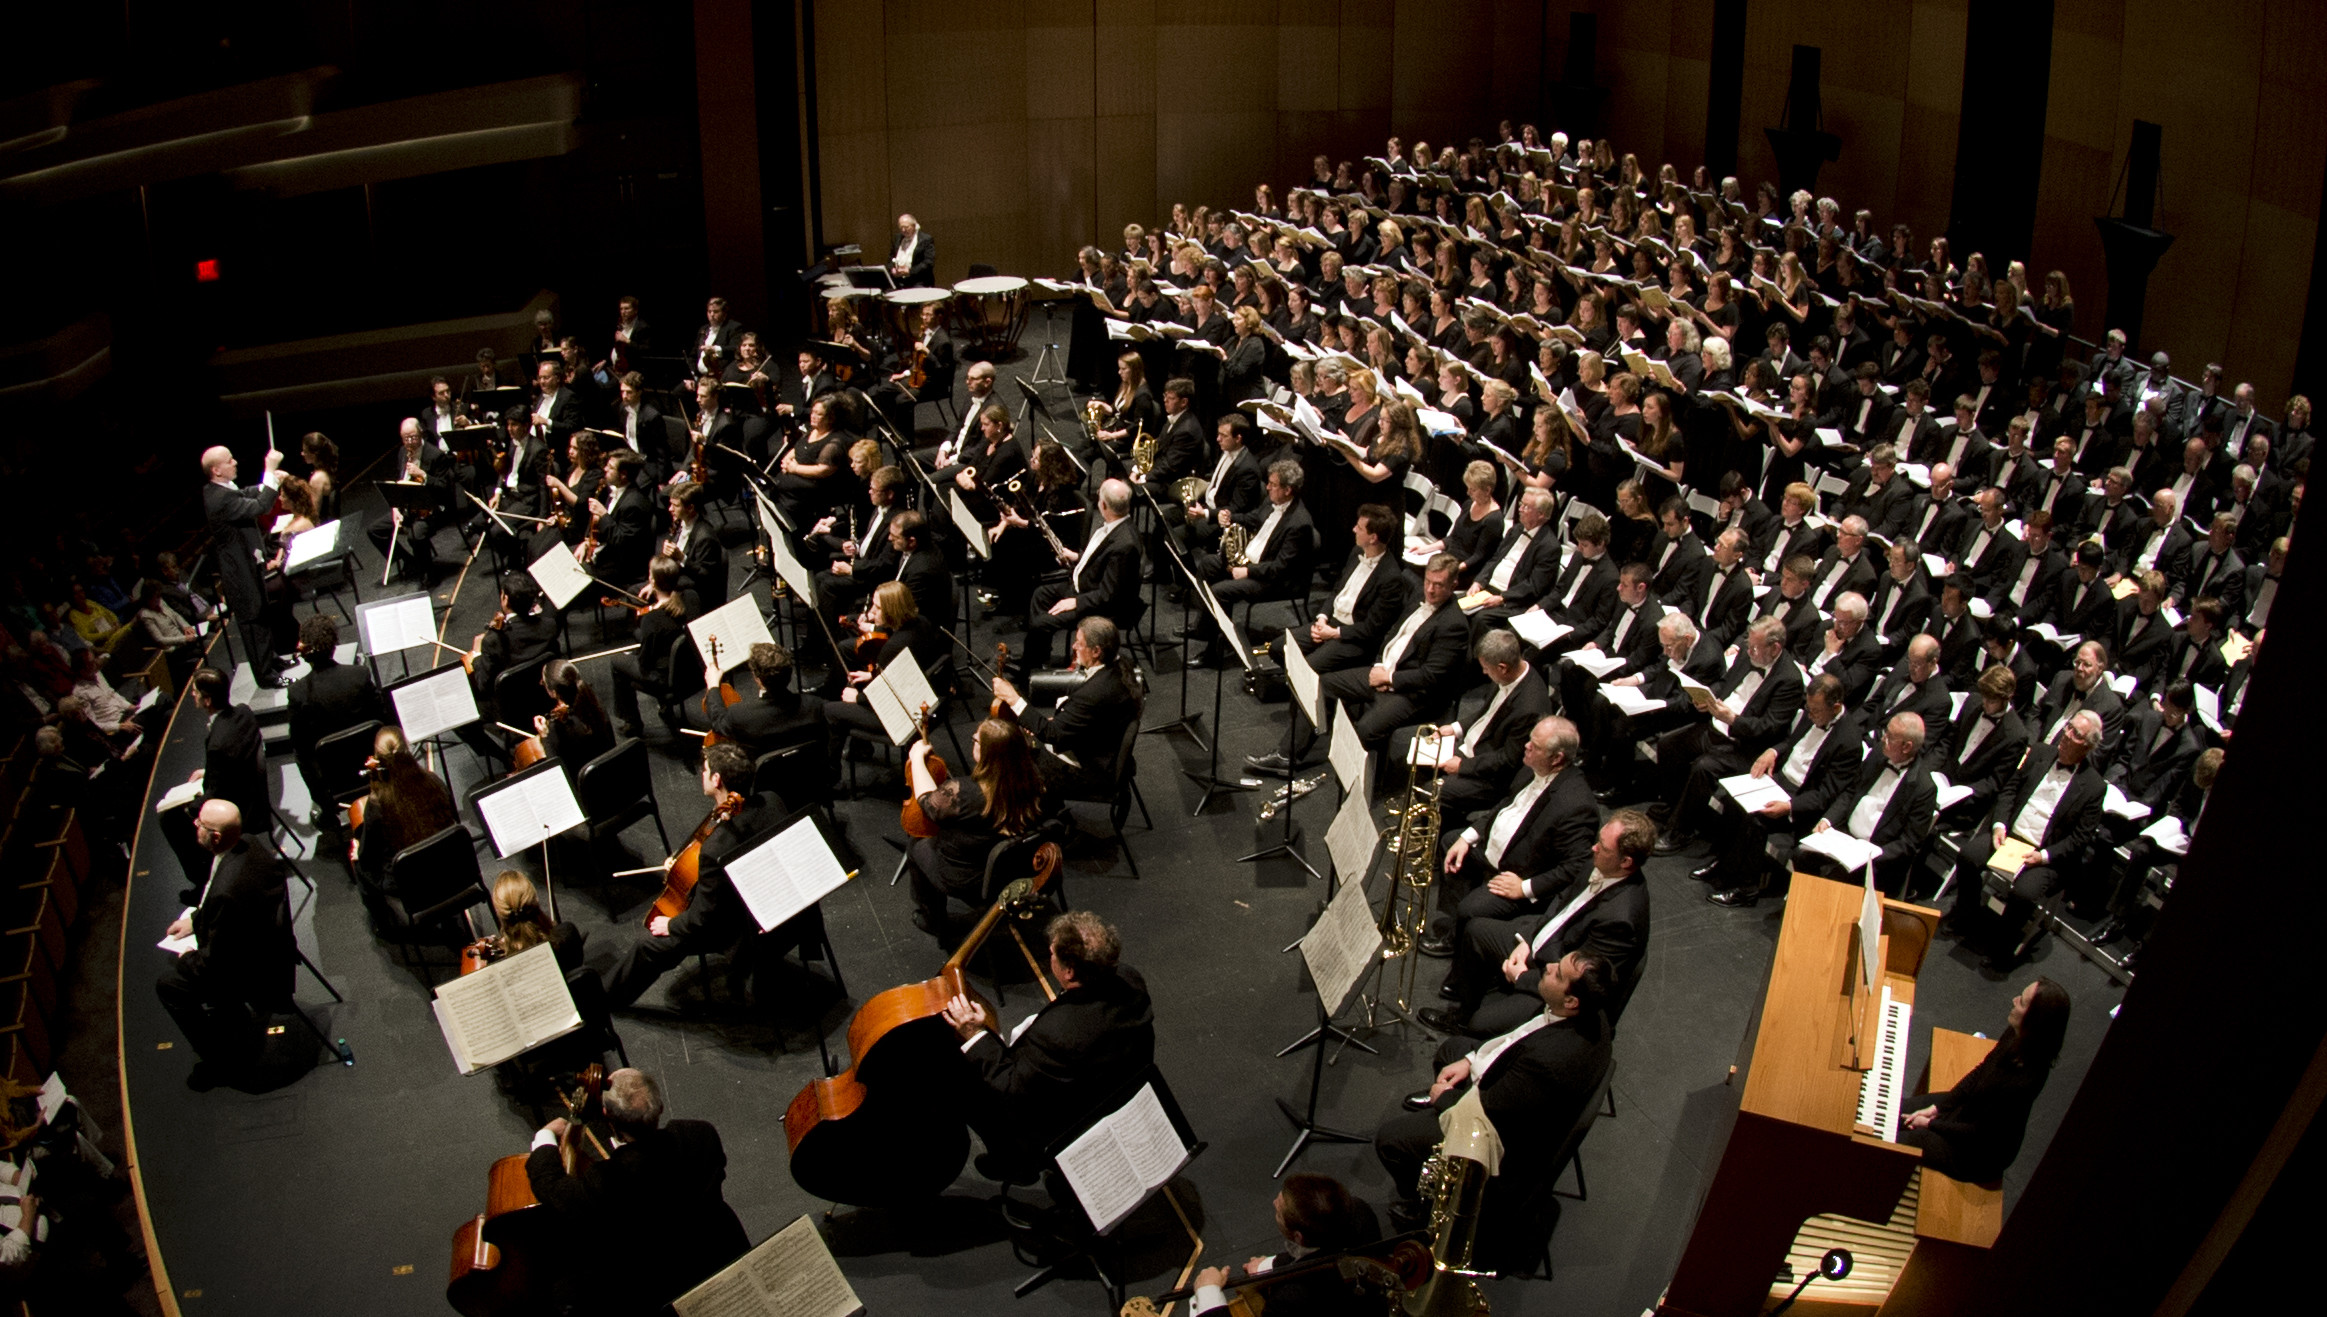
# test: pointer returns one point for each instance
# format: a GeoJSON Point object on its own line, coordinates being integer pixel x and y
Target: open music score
{"type": "Point", "coordinates": [736, 626]}
{"type": "Point", "coordinates": [898, 694]}
{"type": "Point", "coordinates": [785, 872]}
{"type": "Point", "coordinates": [560, 574]}
{"type": "Point", "coordinates": [789, 1274]}
{"type": "Point", "coordinates": [1796, 1149]}
{"type": "Point", "coordinates": [1115, 1164]}
{"type": "Point", "coordinates": [389, 626]}
{"type": "Point", "coordinates": [505, 1009]}
{"type": "Point", "coordinates": [434, 702]}
{"type": "Point", "coordinates": [529, 807]}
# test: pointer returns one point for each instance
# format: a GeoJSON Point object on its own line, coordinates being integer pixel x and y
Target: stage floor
{"type": "Point", "coordinates": [340, 1192]}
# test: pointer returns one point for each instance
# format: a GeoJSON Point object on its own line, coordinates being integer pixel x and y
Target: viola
{"type": "Point", "coordinates": [874, 1133]}
{"type": "Point", "coordinates": [909, 815]}
{"type": "Point", "coordinates": [999, 708]}
{"type": "Point", "coordinates": [680, 877]}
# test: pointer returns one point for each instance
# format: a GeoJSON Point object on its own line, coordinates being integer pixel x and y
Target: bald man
{"type": "Point", "coordinates": [239, 517]}
{"type": "Point", "coordinates": [419, 461]}
{"type": "Point", "coordinates": [242, 953]}
{"type": "Point", "coordinates": [913, 263]}
{"type": "Point", "coordinates": [2052, 804]}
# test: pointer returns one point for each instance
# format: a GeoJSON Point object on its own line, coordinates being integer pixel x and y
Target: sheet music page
{"type": "Point", "coordinates": [559, 574]}
{"type": "Point", "coordinates": [311, 546]}
{"type": "Point", "coordinates": [1347, 754]}
{"type": "Point", "coordinates": [1303, 680]}
{"type": "Point", "coordinates": [896, 719]}
{"type": "Point", "coordinates": [530, 809]}
{"type": "Point", "coordinates": [736, 626]}
{"type": "Point", "coordinates": [1536, 627]}
{"type": "Point", "coordinates": [1340, 947]}
{"type": "Point", "coordinates": [479, 1023]}
{"type": "Point", "coordinates": [435, 702]}
{"type": "Point", "coordinates": [1148, 1139]}
{"type": "Point", "coordinates": [1839, 846]}
{"type": "Point", "coordinates": [1595, 662]}
{"type": "Point", "coordinates": [789, 1274]}
{"type": "Point", "coordinates": [1629, 700]}
{"type": "Point", "coordinates": [911, 685]}
{"type": "Point", "coordinates": [1100, 1172]}
{"type": "Point", "coordinates": [393, 625]}
{"type": "Point", "coordinates": [1352, 837]}
{"type": "Point", "coordinates": [785, 872]}
{"type": "Point", "coordinates": [537, 995]}
{"type": "Point", "coordinates": [1752, 793]}
{"type": "Point", "coordinates": [968, 525]}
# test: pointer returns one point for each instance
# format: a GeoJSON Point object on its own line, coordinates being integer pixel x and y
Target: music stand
{"type": "Point", "coordinates": [1308, 705]}
{"type": "Point", "coordinates": [1187, 722]}
{"type": "Point", "coordinates": [1084, 1236]}
{"type": "Point", "coordinates": [526, 809]}
{"type": "Point", "coordinates": [1210, 778]}
{"type": "Point", "coordinates": [1336, 951]}
{"type": "Point", "coordinates": [407, 501]}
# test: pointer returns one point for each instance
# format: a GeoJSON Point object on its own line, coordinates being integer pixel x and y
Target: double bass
{"type": "Point", "coordinates": [504, 1258]}
{"type": "Point", "coordinates": [874, 1134]}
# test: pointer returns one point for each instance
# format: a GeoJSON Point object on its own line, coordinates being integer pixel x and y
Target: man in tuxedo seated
{"type": "Point", "coordinates": [716, 917]}
{"type": "Point", "coordinates": [1815, 763]}
{"type": "Point", "coordinates": [1533, 1081]}
{"type": "Point", "coordinates": [1629, 635]}
{"type": "Point", "coordinates": [1315, 1214]}
{"type": "Point", "coordinates": [1481, 747]}
{"type": "Point", "coordinates": [1498, 962]}
{"type": "Point", "coordinates": [1901, 602]}
{"type": "Point", "coordinates": [1678, 558]}
{"type": "Point", "coordinates": [1982, 746]}
{"type": "Point", "coordinates": [242, 955]}
{"type": "Point", "coordinates": [1790, 604]}
{"type": "Point", "coordinates": [1958, 632]}
{"type": "Point", "coordinates": [1890, 806]}
{"type": "Point", "coordinates": [1915, 686]}
{"type": "Point", "coordinates": [1518, 572]}
{"type": "Point", "coordinates": [2053, 804]}
{"type": "Point", "coordinates": [332, 697]}
{"type": "Point", "coordinates": [855, 566]}
{"type": "Point", "coordinates": [1989, 554]}
{"type": "Point", "coordinates": [1281, 544]}
{"type": "Point", "coordinates": [2081, 602]}
{"type": "Point", "coordinates": [1750, 710]}
{"type": "Point", "coordinates": [2084, 687]}
{"type": "Point", "coordinates": [1512, 855]}
{"type": "Point", "coordinates": [1848, 649]}
{"type": "Point", "coordinates": [1078, 735]}
{"type": "Point", "coordinates": [2161, 742]}
{"type": "Point", "coordinates": [1236, 485]}
{"type": "Point", "coordinates": [1880, 494]}
{"type": "Point", "coordinates": [1104, 581]}
{"type": "Point", "coordinates": [1415, 674]}
{"type": "Point", "coordinates": [648, 1222]}
{"type": "Point", "coordinates": [1088, 1041]}
{"type": "Point", "coordinates": [1372, 593]}
{"type": "Point", "coordinates": [2025, 597]}
{"type": "Point", "coordinates": [1584, 595]}
{"type": "Point", "coordinates": [409, 536]}
{"type": "Point", "coordinates": [771, 716]}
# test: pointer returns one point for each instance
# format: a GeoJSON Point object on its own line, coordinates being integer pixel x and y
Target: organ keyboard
{"type": "Point", "coordinates": [1880, 1091]}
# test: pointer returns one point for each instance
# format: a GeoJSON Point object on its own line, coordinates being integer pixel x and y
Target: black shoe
{"type": "Point", "coordinates": [1442, 1021]}
{"type": "Point", "coordinates": [1707, 871]}
{"type": "Point", "coordinates": [2108, 931]}
{"type": "Point", "coordinates": [1437, 946]}
{"type": "Point", "coordinates": [1418, 1100]}
{"type": "Point", "coordinates": [1612, 796]}
{"type": "Point", "coordinates": [272, 679]}
{"type": "Point", "coordinates": [1449, 992]}
{"type": "Point", "coordinates": [1735, 898]}
{"type": "Point", "coordinates": [1273, 764]}
{"type": "Point", "coordinates": [1675, 841]}
{"type": "Point", "coordinates": [202, 1078]}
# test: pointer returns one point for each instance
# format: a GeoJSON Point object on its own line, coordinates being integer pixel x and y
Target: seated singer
{"type": "Point", "coordinates": [1079, 735]}
{"type": "Point", "coordinates": [1104, 581]}
{"type": "Point", "coordinates": [1096, 1035]}
{"type": "Point", "coordinates": [715, 918]}
{"type": "Point", "coordinates": [1415, 674]}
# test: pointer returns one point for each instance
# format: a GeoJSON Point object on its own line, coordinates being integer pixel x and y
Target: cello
{"type": "Point", "coordinates": [873, 1134]}
{"type": "Point", "coordinates": [502, 1259]}
{"type": "Point", "coordinates": [679, 875]}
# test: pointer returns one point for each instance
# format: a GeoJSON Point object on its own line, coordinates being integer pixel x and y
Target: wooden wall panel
{"type": "Point", "coordinates": [1442, 76]}
{"type": "Point", "coordinates": [852, 124]}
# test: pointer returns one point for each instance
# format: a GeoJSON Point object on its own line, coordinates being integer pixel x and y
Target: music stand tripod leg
{"type": "Point", "coordinates": [1210, 778]}
{"type": "Point", "coordinates": [1305, 1122]}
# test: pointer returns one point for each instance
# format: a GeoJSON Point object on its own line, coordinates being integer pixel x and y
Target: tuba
{"type": "Point", "coordinates": [1454, 1185]}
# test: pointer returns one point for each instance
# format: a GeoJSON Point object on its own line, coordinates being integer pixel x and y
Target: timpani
{"type": "Point", "coordinates": [903, 306]}
{"type": "Point", "coordinates": [994, 310]}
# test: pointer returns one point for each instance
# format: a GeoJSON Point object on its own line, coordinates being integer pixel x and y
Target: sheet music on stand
{"type": "Point", "coordinates": [786, 871]}
{"type": "Point", "coordinates": [898, 695]}
{"type": "Point", "coordinates": [433, 703]}
{"type": "Point", "coordinates": [1122, 1158]}
{"type": "Point", "coordinates": [791, 1273]}
{"type": "Point", "coordinates": [1221, 619]}
{"type": "Point", "coordinates": [1352, 838]}
{"type": "Point", "coordinates": [1302, 680]}
{"type": "Point", "coordinates": [736, 625]}
{"type": "Point", "coordinates": [390, 626]}
{"type": "Point", "coordinates": [1341, 946]}
{"type": "Point", "coordinates": [309, 547]}
{"type": "Point", "coordinates": [968, 525]}
{"type": "Point", "coordinates": [528, 808]}
{"type": "Point", "coordinates": [505, 1009]}
{"type": "Point", "coordinates": [788, 567]}
{"type": "Point", "coordinates": [1347, 754]}
{"type": "Point", "coordinates": [559, 574]}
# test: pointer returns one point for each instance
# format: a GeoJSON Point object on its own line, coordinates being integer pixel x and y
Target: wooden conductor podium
{"type": "Point", "coordinates": [1796, 1150]}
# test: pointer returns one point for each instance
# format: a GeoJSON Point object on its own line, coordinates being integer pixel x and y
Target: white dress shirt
{"type": "Point", "coordinates": [1091, 550]}
{"type": "Point", "coordinates": [1797, 765]}
{"type": "Point", "coordinates": [1869, 813]}
{"type": "Point", "coordinates": [1258, 545]}
{"type": "Point", "coordinates": [1599, 883]}
{"type": "Point", "coordinates": [2036, 815]}
{"type": "Point", "coordinates": [1469, 745]}
{"type": "Point", "coordinates": [1499, 577]}
{"type": "Point", "coordinates": [1345, 603]}
{"type": "Point", "coordinates": [1396, 649]}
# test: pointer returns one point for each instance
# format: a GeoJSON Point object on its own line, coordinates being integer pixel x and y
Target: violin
{"type": "Point", "coordinates": [999, 708]}
{"type": "Point", "coordinates": [503, 1257]}
{"type": "Point", "coordinates": [499, 622]}
{"type": "Point", "coordinates": [909, 815]}
{"type": "Point", "coordinates": [680, 875]}
{"type": "Point", "coordinates": [728, 695]}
